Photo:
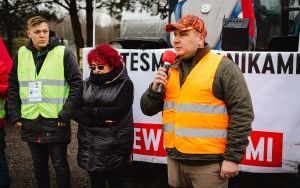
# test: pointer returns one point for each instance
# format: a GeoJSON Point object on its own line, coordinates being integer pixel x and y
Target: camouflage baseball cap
{"type": "Point", "coordinates": [188, 22]}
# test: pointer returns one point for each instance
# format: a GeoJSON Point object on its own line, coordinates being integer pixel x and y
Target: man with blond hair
{"type": "Point", "coordinates": [206, 110]}
{"type": "Point", "coordinates": [43, 83]}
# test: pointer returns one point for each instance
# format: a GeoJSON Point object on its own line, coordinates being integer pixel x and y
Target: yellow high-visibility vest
{"type": "Point", "coordinates": [194, 120]}
{"type": "Point", "coordinates": [54, 90]}
{"type": "Point", "coordinates": [2, 112]}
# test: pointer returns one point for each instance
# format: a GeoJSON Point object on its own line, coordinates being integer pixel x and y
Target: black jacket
{"type": "Point", "coordinates": [105, 146]}
{"type": "Point", "coordinates": [45, 130]}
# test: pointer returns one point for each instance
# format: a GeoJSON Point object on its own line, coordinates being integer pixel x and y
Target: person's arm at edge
{"type": "Point", "coordinates": [3, 80]}
{"type": "Point", "coordinates": [13, 96]}
{"type": "Point", "coordinates": [151, 102]}
{"type": "Point", "coordinates": [239, 108]}
{"type": "Point", "coordinates": [74, 80]}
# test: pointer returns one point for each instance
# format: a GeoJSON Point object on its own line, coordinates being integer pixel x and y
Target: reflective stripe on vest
{"type": "Point", "coordinates": [194, 121]}
{"type": "Point", "coordinates": [2, 111]}
{"type": "Point", "coordinates": [54, 87]}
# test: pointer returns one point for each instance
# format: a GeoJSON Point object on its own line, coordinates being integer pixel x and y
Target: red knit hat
{"type": "Point", "coordinates": [104, 54]}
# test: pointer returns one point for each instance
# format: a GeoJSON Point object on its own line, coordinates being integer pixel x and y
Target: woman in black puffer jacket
{"type": "Point", "coordinates": [104, 114]}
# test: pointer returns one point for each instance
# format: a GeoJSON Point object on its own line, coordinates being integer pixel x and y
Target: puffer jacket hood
{"type": "Point", "coordinates": [110, 77]}
{"type": "Point", "coordinates": [121, 76]}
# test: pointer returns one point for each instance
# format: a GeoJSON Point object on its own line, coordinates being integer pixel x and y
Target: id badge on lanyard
{"type": "Point", "coordinates": [35, 91]}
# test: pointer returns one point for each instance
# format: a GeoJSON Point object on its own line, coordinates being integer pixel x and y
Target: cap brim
{"type": "Point", "coordinates": [172, 26]}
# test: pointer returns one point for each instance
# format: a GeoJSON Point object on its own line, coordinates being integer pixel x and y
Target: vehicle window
{"type": "Point", "coordinates": [271, 5]}
{"type": "Point", "coordinates": [294, 19]}
{"type": "Point", "coordinates": [267, 15]}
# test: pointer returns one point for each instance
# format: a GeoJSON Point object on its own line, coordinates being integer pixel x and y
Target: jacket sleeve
{"type": "Point", "coordinates": [230, 86]}
{"type": "Point", "coordinates": [151, 102]}
{"type": "Point", "coordinates": [80, 116]}
{"type": "Point", "coordinates": [74, 80]}
{"type": "Point", "coordinates": [3, 80]}
{"type": "Point", "coordinates": [119, 110]}
{"type": "Point", "coordinates": [13, 101]}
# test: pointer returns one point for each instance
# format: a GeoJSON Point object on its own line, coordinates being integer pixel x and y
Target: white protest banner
{"type": "Point", "coordinates": [272, 78]}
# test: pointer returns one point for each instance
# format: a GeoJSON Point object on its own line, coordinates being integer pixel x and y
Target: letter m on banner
{"type": "Point", "coordinates": [264, 149]}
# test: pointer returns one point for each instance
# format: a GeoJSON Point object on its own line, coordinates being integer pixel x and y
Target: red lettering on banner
{"type": "Point", "coordinates": [264, 149]}
{"type": "Point", "coordinates": [148, 140]}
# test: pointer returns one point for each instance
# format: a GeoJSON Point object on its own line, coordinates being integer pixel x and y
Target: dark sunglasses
{"type": "Point", "coordinates": [99, 67]}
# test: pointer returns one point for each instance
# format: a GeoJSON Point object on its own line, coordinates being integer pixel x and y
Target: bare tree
{"type": "Point", "coordinates": [14, 13]}
{"type": "Point", "coordinates": [114, 8]}
{"type": "Point", "coordinates": [72, 7]}
{"type": "Point", "coordinates": [89, 22]}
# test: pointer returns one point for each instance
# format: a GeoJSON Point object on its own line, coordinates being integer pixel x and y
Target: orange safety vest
{"type": "Point", "coordinates": [194, 120]}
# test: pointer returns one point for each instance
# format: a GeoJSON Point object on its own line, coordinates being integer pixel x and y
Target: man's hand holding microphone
{"type": "Point", "coordinates": [161, 77]}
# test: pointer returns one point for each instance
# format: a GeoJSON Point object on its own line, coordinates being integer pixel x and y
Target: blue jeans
{"type": "Point", "coordinates": [58, 153]}
{"type": "Point", "coordinates": [4, 175]}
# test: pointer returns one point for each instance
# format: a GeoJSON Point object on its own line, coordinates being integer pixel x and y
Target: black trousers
{"type": "Point", "coordinates": [114, 179]}
{"type": "Point", "coordinates": [4, 175]}
{"type": "Point", "coordinates": [58, 153]}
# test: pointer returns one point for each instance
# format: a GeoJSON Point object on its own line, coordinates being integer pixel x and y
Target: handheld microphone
{"type": "Point", "coordinates": [168, 58]}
